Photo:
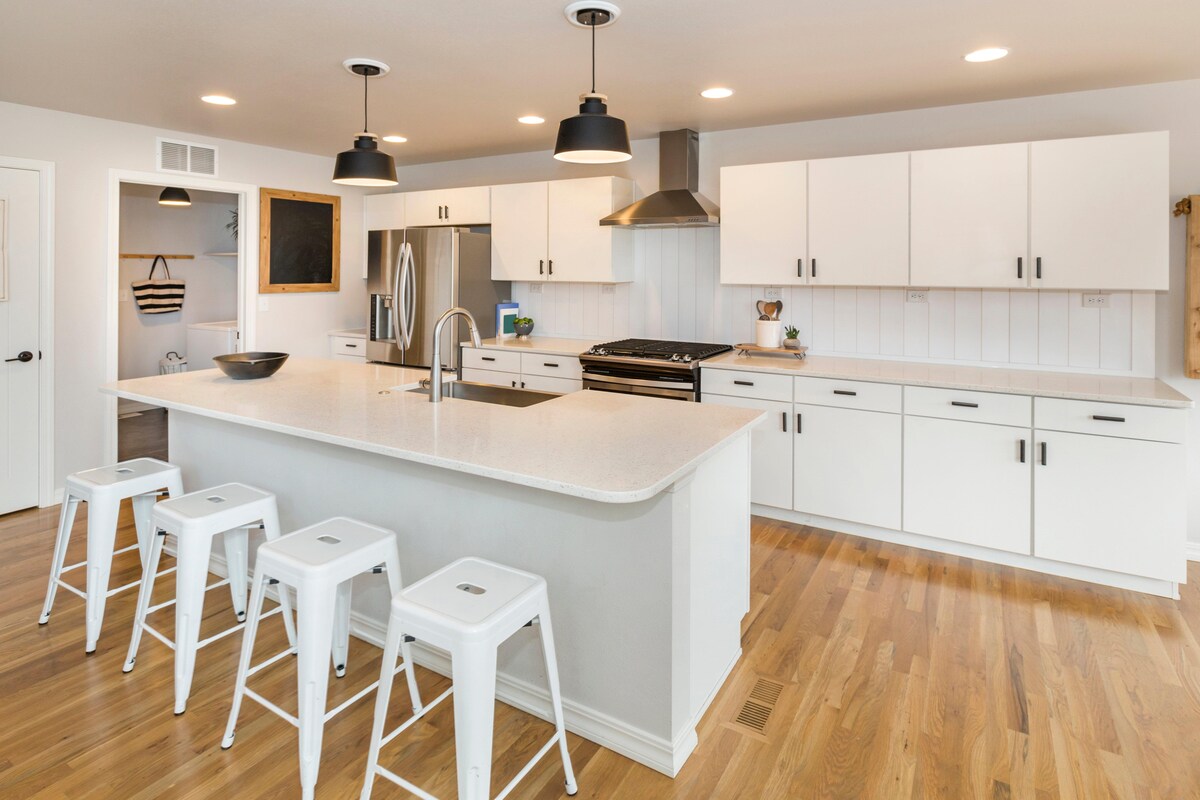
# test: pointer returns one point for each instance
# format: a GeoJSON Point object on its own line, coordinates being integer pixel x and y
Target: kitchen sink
{"type": "Point", "coordinates": [487, 393]}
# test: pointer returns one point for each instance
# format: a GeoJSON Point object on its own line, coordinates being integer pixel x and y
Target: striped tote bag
{"type": "Point", "coordinates": [160, 296]}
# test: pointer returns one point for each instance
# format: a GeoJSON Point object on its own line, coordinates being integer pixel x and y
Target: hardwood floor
{"type": "Point", "coordinates": [886, 672]}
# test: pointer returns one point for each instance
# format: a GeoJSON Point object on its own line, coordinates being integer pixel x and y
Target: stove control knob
{"type": "Point", "coordinates": [675, 357]}
{"type": "Point", "coordinates": [687, 359]}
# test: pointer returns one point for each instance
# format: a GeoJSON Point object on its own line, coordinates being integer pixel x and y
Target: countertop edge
{"type": "Point", "coordinates": [573, 490]}
{"type": "Point", "coordinates": [506, 345]}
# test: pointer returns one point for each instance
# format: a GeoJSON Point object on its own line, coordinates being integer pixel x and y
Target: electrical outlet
{"type": "Point", "coordinates": [774, 293]}
{"type": "Point", "coordinates": [918, 295]}
{"type": "Point", "coordinates": [1095, 301]}
{"type": "Point", "coordinates": [264, 303]}
{"type": "Point", "coordinates": [535, 288]}
{"type": "Point", "coordinates": [608, 288]}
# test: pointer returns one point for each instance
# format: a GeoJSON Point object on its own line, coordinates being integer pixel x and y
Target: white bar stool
{"type": "Point", "coordinates": [319, 562]}
{"type": "Point", "coordinates": [469, 608]}
{"type": "Point", "coordinates": [195, 518]}
{"type": "Point", "coordinates": [103, 489]}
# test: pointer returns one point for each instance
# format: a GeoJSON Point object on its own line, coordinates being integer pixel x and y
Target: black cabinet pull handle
{"type": "Point", "coordinates": [447, 212]}
{"type": "Point", "coordinates": [799, 424]}
{"type": "Point", "coordinates": [486, 358]}
{"type": "Point", "coordinates": [550, 265]}
{"type": "Point", "coordinates": [1022, 451]}
{"type": "Point", "coordinates": [743, 383]}
{"type": "Point", "coordinates": [799, 267]}
{"type": "Point", "coordinates": [1020, 267]}
{"type": "Point", "coordinates": [1043, 454]}
{"type": "Point", "coordinates": [514, 384]}
{"type": "Point", "coordinates": [963, 404]}
{"type": "Point", "coordinates": [541, 266]}
{"type": "Point", "coordinates": [1102, 418]}
{"type": "Point", "coordinates": [352, 345]}
{"type": "Point", "coordinates": [549, 364]}
{"type": "Point", "coordinates": [783, 416]}
{"type": "Point", "coordinates": [1038, 265]}
{"type": "Point", "coordinates": [812, 267]}
{"type": "Point", "coordinates": [522, 384]}
{"type": "Point", "coordinates": [439, 212]}
{"type": "Point", "coordinates": [846, 392]}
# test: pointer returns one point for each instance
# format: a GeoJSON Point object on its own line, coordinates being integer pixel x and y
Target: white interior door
{"type": "Point", "coordinates": [19, 258]}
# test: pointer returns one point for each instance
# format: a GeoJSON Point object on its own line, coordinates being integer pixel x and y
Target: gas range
{"type": "Point", "coordinates": [648, 366]}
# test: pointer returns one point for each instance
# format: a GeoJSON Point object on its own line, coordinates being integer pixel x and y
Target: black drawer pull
{"type": "Point", "coordinates": [846, 392]}
{"type": "Point", "coordinates": [799, 426]}
{"type": "Point", "coordinates": [799, 267]}
{"type": "Point", "coordinates": [351, 345]}
{"type": "Point", "coordinates": [1043, 454]}
{"type": "Point", "coordinates": [783, 416]}
{"type": "Point", "coordinates": [1020, 267]}
{"type": "Point", "coordinates": [1022, 451]}
{"type": "Point", "coordinates": [812, 268]}
{"type": "Point", "coordinates": [1102, 418]}
{"type": "Point", "coordinates": [486, 358]}
{"type": "Point", "coordinates": [743, 383]}
{"type": "Point", "coordinates": [963, 404]}
{"type": "Point", "coordinates": [549, 364]}
{"type": "Point", "coordinates": [1038, 264]}
{"type": "Point", "coordinates": [541, 266]}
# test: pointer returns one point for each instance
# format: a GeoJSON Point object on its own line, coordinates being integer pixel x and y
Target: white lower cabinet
{"type": "Point", "coordinates": [1111, 503]}
{"type": "Point", "coordinates": [537, 371]}
{"type": "Point", "coordinates": [847, 464]}
{"type": "Point", "coordinates": [490, 376]}
{"type": "Point", "coordinates": [544, 383]}
{"type": "Point", "coordinates": [968, 482]}
{"type": "Point", "coordinates": [770, 449]}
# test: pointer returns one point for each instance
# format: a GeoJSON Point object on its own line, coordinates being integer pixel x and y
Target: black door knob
{"type": "Point", "coordinates": [23, 357]}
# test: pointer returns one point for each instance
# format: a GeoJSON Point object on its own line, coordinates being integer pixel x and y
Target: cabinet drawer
{"type": "Point", "coordinates": [489, 376]}
{"type": "Point", "coordinates": [860, 395]}
{"type": "Point", "coordinates": [541, 383]}
{"type": "Point", "coordinates": [1110, 419]}
{"type": "Point", "coordinates": [359, 359]}
{"type": "Point", "coordinates": [348, 346]}
{"type": "Point", "coordinates": [758, 385]}
{"type": "Point", "coordinates": [551, 366]}
{"type": "Point", "coordinates": [991, 407]}
{"type": "Point", "coordinates": [479, 358]}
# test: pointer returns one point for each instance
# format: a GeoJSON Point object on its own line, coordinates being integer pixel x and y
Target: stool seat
{"type": "Point", "coordinates": [212, 510]}
{"type": "Point", "coordinates": [334, 550]}
{"type": "Point", "coordinates": [137, 476]}
{"type": "Point", "coordinates": [471, 597]}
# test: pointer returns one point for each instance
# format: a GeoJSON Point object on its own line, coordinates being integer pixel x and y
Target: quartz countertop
{"type": "Point", "coordinates": [1068, 385]}
{"type": "Point", "coordinates": [595, 445]}
{"type": "Point", "coordinates": [539, 344]}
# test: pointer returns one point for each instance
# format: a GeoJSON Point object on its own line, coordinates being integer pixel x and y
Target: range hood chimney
{"type": "Point", "coordinates": [678, 202]}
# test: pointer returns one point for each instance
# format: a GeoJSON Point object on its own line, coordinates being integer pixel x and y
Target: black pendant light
{"type": "Point", "coordinates": [592, 136]}
{"type": "Point", "coordinates": [365, 164]}
{"type": "Point", "coordinates": [174, 196]}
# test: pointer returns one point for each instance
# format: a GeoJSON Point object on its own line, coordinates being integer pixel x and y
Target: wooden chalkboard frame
{"type": "Point", "coordinates": [265, 284]}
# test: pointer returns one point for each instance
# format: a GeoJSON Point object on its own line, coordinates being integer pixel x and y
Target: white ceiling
{"type": "Point", "coordinates": [463, 70]}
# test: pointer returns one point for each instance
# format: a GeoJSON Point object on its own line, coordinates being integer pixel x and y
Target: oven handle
{"type": "Point", "coordinates": [592, 376]}
{"type": "Point", "coordinates": [666, 394]}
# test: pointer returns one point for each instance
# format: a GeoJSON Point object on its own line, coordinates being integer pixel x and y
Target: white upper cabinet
{"type": "Point", "coordinates": [1098, 212]}
{"type": "Point", "coordinates": [519, 229]}
{"type": "Point", "coordinates": [970, 217]}
{"type": "Point", "coordinates": [764, 223]}
{"type": "Point", "coordinates": [858, 220]}
{"type": "Point", "coordinates": [384, 212]}
{"type": "Point", "coordinates": [551, 231]}
{"type": "Point", "coordinates": [466, 206]}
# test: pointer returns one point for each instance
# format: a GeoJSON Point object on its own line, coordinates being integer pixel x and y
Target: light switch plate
{"type": "Point", "coordinates": [1095, 301]}
{"type": "Point", "coordinates": [774, 293]}
{"type": "Point", "coordinates": [264, 303]}
{"type": "Point", "coordinates": [535, 288]}
{"type": "Point", "coordinates": [918, 295]}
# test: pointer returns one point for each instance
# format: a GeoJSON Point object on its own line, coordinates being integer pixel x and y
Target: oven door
{"type": "Point", "coordinates": [630, 382]}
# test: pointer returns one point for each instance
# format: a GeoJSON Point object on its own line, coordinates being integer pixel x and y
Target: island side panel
{"type": "Point", "coordinates": [609, 567]}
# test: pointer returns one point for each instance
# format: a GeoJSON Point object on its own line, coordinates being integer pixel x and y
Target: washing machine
{"type": "Point", "coordinates": [208, 339]}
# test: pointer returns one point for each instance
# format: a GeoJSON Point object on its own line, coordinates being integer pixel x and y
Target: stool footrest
{"type": "Point", "coordinates": [273, 659]}
{"type": "Point", "coordinates": [525, 770]}
{"type": "Point", "coordinates": [72, 589]}
{"type": "Point", "coordinates": [267, 704]}
{"type": "Point", "coordinates": [396, 779]}
{"type": "Point", "coordinates": [408, 722]}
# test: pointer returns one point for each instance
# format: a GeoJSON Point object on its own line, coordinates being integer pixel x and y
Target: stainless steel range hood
{"type": "Point", "coordinates": [677, 203]}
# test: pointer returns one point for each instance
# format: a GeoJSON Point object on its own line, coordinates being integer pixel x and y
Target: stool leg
{"type": "Point", "coordinates": [341, 627]}
{"type": "Point", "coordinates": [383, 695]}
{"type": "Point", "coordinates": [272, 532]}
{"type": "Point", "coordinates": [392, 564]}
{"type": "Point", "coordinates": [191, 574]}
{"type": "Point", "coordinates": [474, 676]}
{"type": "Point", "coordinates": [236, 562]}
{"type": "Point", "coordinates": [547, 635]}
{"type": "Point", "coordinates": [145, 592]}
{"type": "Point", "coordinates": [143, 507]}
{"type": "Point", "coordinates": [102, 537]}
{"type": "Point", "coordinates": [248, 637]}
{"type": "Point", "coordinates": [315, 643]}
{"type": "Point", "coordinates": [66, 520]}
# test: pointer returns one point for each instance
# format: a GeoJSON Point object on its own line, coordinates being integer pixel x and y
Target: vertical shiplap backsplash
{"type": "Point", "coordinates": [676, 293]}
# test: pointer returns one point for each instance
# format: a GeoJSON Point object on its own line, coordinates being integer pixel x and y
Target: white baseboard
{"type": "Point", "coordinates": [1193, 551]}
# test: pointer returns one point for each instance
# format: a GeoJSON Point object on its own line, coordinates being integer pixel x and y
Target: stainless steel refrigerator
{"type": "Point", "coordinates": [413, 276]}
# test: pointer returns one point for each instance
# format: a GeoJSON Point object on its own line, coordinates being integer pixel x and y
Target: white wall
{"type": "Point", "coordinates": [211, 281]}
{"type": "Point", "coordinates": [1064, 337]}
{"type": "Point", "coordinates": [84, 149]}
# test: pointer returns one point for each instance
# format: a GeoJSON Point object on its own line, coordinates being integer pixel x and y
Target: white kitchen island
{"type": "Point", "coordinates": [636, 510]}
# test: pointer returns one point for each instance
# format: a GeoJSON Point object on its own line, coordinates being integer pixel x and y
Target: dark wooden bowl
{"type": "Point", "coordinates": [248, 366]}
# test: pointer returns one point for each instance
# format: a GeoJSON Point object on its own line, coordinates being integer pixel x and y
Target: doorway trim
{"type": "Point", "coordinates": [247, 280]}
{"type": "Point", "coordinates": [45, 170]}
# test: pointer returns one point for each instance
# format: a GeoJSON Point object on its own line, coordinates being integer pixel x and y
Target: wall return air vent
{"type": "Point", "coordinates": [186, 158]}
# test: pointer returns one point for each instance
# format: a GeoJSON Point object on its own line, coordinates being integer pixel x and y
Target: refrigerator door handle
{"type": "Point", "coordinates": [397, 303]}
{"type": "Point", "coordinates": [410, 297]}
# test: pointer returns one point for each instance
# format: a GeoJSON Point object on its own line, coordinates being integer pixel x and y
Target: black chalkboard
{"type": "Point", "coordinates": [300, 242]}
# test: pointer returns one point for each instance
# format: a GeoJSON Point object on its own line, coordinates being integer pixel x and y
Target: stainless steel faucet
{"type": "Point", "coordinates": [435, 375]}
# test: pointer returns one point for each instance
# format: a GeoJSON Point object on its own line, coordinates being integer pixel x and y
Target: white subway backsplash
{"type": "Point", "coordinates": [677, 294]}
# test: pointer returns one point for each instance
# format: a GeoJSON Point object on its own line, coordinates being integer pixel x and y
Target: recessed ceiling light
{"type": "Point", "coordinates": [716, 93]}
{"type": "Point", "coordinates": [530, 120]}
{"type": "Point", "coordinates": [219, 100]}
{"type": "Point", "coordinates": [986, 54]}
{"type": "Point", "coordinates": [395, 139]}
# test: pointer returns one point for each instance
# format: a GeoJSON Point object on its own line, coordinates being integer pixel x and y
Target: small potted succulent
{"type": "Point", "coordinates": [523, 326]}
{"type": "Point", "coordinates": [791, 337]}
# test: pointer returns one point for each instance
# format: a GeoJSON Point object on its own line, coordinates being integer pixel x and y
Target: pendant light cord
{"type": "Point", "coordinates": [593, 26]}
{"type": "Point", "coordinates": [366, 80]}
